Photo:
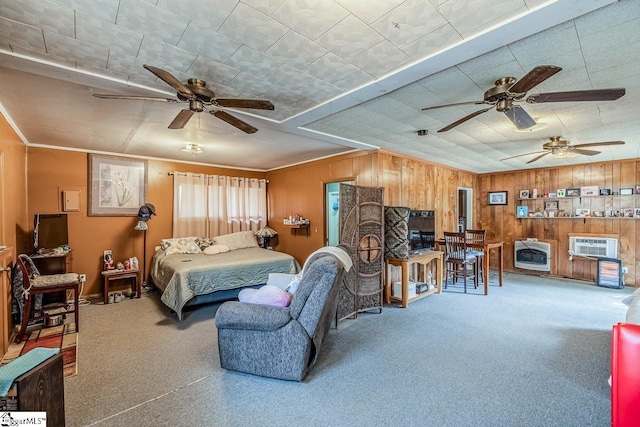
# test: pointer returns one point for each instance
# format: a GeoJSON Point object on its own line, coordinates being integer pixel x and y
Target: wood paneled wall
{"type": "Point", "coordinates": [502, 223]}
{"type": "Point", "coordinates": [406, 181]}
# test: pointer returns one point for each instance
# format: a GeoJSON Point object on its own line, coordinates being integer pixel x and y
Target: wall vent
{"type": "Point", "coordinates": [606, 247]}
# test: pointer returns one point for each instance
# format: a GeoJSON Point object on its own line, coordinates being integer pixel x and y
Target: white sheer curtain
{"type": "Point", "coordinates": [213, 205]}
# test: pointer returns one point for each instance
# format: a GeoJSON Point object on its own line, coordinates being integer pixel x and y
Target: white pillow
{"type": "Point", "coordinates": [239, 240]}
{"type": "Point", "coordinates": [181, 245]}
{"type": "Point", "coordinates": [215, 249]}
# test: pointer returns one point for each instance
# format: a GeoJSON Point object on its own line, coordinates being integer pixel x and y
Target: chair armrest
{"type": "Point", "coordinates": [238, 315]}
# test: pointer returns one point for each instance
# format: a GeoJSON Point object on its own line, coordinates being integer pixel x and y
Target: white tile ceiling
{"type": "Point", "coordinates": [342, 74]}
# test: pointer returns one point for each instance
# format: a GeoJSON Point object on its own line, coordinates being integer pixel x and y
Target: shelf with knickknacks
{"type": "Point", "coordinates": [296, 222]}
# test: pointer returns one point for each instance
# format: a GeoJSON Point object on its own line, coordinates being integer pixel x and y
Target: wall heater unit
{"type": "Point", "coordinates": [605, 247]}
{"type": "Point", "coordinates": [532, 255]}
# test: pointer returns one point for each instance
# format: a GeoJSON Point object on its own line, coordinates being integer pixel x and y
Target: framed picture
{"type": "Point", "coordinates": [588, 190]}
{"type": "Point", "coordinates": [551, 205]}
{"type": "Point", "coordinates": [498, 197]}
{"type": "Point", "coordinates": [117, 185]}
{"type": "Point", "coordinates": [524, 194]}
{"type": "Point", "coordinates": [583, 212]}
{"type": "Point", "coordinates": [605, 191]}
{"type": "Point", "coordinates": [572, 192]}
{"type": "Point", "coordinates": [560, 192]}
{"type": "Point", "coordinates": [626, 191]}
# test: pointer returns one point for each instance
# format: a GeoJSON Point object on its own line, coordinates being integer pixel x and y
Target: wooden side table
{"type": "Point", "coordinates": [112, 275]}
{"type": "Point", "coordinates": [423, 259]}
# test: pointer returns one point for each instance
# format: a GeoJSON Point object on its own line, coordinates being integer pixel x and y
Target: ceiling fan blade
{"type": "Point", "coordinates": [464, 119]}
{"type": "Point", "coordinates": [170, 80]}
{"type": "Point", "coordinates": [525, 154]}
{"type": "Point", "coordinates": [258, 104]}
{"type": "Point", "coordinates": [585, 152]}
{"type": "Point", "coordinates": [577, 95]}
{"type": "Point", "coordinates": [534, 78]}
{"type": "Point", "coordinates": [538, 157]}
{"type": "Point", "coordinates": [596, 144]}
{"type": "Point", "coordinates": [135, 98]}
{"type": "Point", "coordinates": [181, 119]}
{"type": "Point", "coordinates": [520, 118]}
{"type": "Point", "coordinates": [455, 104]}
{"type": "Point", "coordinates": [234, 121]}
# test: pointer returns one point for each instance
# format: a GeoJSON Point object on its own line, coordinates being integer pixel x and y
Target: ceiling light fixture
{"type": "Point", "coordinates": [193, 149]}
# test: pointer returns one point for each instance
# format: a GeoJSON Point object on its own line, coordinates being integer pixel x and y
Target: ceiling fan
{"type": "Point", "coordinates": [507, 91]}
{"type": "Point", "coordinates": [200, 98]}
{"type": "Point", "coordinates": [561, 148]}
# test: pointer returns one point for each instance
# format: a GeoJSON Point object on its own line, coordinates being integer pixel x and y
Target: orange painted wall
{"type": "Point", "coordinates": [49, 171]}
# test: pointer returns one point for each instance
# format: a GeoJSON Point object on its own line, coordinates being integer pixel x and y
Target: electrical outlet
{"type": "Point", "coordinates": [625, 270]}
{"type": "Point", "coordinates": [83, 277]}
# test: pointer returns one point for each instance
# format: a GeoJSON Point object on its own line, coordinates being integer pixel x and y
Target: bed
{"type": "Point", "coordinates": [184, 278]}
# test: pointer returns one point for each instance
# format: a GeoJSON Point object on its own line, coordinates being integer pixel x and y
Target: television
{"type": "Point", "coordinates": [422, 229]}
{"type": "Point", "coordinates": [49, 231]}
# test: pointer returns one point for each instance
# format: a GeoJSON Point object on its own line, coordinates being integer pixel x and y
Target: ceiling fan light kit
{"type": "Point", "coordinates": [200, 98]}
{"type": "Point", "coordinates": [508, 91]}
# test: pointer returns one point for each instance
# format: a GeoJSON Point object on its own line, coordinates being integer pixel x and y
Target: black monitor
{"type": "Point", "coordinates": [422, 229]}
{"type": "Point", "coordinates": [49, 231]}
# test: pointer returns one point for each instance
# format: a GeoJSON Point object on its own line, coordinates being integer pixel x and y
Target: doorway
{"type": "Point", "coordinates": [465, 208]}
{"type": "Point", "coordinates": [332, 211]}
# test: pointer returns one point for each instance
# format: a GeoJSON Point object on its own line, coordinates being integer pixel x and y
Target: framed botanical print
{"type": "Point", "coordinates": [117, 185]}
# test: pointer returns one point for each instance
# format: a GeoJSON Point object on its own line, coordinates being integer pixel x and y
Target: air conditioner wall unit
{"type": "Point", "coordinates": [606, 247]}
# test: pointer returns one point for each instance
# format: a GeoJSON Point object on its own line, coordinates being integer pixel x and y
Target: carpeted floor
{"type": "Point", "coordinates": [533, 353]}
{"type": "Point", "coordinates": [63, 337]}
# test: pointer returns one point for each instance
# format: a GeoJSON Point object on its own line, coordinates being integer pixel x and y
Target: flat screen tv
{"type": "Point", "coordinates": [422, 229]}
{"type": "Point", "coordinates": [49, 231]}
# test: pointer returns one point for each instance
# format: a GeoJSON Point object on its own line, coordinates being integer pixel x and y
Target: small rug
{"type": "Point", "coordinates": [63, 337]}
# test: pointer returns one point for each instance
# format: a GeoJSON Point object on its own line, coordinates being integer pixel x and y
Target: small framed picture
{"type": "Point", "coordinates": [498, 197]}
{"type": "Point", "coordinates": [572, 192]}
{"type": "Point", "coordinates": [588, 190]}
{"type": "Point", "coordinates": [551, 205]}
{"type": "Point", "coordinates": [583, 212]}
{"type": "Point", "coordinates": [605, 191]}
{"type": "Point", "coordinates": [626, 191]}
{"type": "Point", "coordinates": [560, 192]}
{"type": "Point", "coordinates": [524, 194]}
{"type": "Point", "coordinates": [107, 258]}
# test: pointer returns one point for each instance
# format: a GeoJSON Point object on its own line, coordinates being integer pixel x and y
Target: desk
{"type": "Point", "coordinates": [423, 259]}
{"type": "Point", "coordinates": [111, 275]}
{"type": "Point", "coordinates": [486, 248]}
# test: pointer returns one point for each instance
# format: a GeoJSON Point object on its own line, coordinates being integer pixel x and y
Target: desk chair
{"type": "Point", "coordinates": [477, 237]}
{"type": "Point", "coordinates": [459, 259]}
{"type": "Point", "coordinates": [35, 284]}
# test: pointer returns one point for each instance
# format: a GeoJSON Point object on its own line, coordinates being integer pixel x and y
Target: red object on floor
{"type": "Point", "coordinates": [625, 375]}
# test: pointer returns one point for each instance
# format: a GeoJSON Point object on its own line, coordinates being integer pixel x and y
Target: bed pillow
{"type": "Point", "coordinates": [266, 295]}
{"type": "Point", "coordinates": [239, 240]}
{"type": "Point", "coordinates": [180, 245]}
{"type": "Point", "coordinates": [215, 249]}
{"type": "Point", "coordinates": [204, 242]}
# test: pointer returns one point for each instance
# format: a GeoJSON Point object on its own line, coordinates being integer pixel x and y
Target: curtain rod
{"type": "Point", "coordinates": [198, 175]}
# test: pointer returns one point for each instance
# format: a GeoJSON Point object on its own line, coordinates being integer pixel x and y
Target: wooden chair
{"type": "Point", "coordinates": [36, 284]}
{"type": "Point", "coordinates": [478, 237]}
{"type": "Point", "coordinates": [459, 259]}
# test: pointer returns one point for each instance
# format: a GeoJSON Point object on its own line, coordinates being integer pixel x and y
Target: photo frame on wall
{"type": "Point", "coordinates": [117, 185]}
{"type": "Point", "coordinates": [497, 197]}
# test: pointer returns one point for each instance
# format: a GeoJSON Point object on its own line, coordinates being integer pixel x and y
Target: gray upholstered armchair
{"type": "Point", "coordinates": [281, 342]}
